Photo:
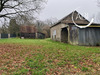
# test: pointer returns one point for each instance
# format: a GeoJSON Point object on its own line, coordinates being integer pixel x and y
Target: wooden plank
{"type": "Point", "coordinates": [89, 36]}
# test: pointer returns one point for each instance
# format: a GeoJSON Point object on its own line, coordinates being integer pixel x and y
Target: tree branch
{"type": "Point", "coordinates": [6, 15]}
{"type": "Point", "coordinates": [8, 6]}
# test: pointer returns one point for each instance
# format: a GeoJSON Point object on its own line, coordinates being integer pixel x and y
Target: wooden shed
{"type": "Point", "coordinates": [66, 31]}
{"type": "Point", "coordinates": [30, 32]}
{"type": "Point", "coordinates": [40, 35]}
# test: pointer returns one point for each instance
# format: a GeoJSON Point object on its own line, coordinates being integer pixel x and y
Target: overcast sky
{"type": "Point", "coordinates": [60, 8]}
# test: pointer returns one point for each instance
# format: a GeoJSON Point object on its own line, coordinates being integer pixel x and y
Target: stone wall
{"type": "Point", "coordinates": [56, 32]}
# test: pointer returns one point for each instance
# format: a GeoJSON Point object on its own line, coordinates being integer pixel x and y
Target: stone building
{"type": "Point", "coordinates": [66, 31]}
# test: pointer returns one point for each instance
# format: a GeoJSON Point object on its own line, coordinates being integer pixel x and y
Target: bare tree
{"type": "Point", "coordinates": [39, 24]}
{"type": "Point", "coordinates": [51, 21]}
{"type": "Point", "coordinates": [11, 7]}
{"type": "Point", "coordinates": [0, 30]}
{"type": "Point", "coordinates": [4, 28]}
{"type": "Point", "coordinates": [44, 26]}
{"type": "Point", "coordinates": [48, 24]}
{"type": "Point", "coordinates": [24, 19]}
{"type": "Point", "coordinates": [13, 27]}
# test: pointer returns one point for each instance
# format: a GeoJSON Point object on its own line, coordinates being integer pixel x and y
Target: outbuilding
{"type": "Point", "coordinates": [66, 31]}
{"type": "Point", "coordinates": [27, 31]}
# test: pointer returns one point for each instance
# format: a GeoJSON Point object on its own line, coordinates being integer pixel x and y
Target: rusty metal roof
{"type": "Point", "coordinates": [28, 29]}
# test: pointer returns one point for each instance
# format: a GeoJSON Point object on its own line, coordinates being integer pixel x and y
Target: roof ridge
{"type": "Point", "coordinates": [68, 15]}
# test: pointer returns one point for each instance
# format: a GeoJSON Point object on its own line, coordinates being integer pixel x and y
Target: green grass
{"type": "Point", "coordinates": [44, 56]}
{"type": "Point", "coordinates": [84, 69]}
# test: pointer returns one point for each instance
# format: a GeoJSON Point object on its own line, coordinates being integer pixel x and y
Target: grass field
{"type": "Point", "coordinates": [46, 57]}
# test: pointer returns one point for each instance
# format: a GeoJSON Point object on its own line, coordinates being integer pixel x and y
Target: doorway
{"type": "Point", "coordinates": [64, 35]}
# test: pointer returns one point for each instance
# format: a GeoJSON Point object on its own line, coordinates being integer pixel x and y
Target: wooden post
{"type": "Point", "coordinates": [68, 34]}
{"type": "Point", "coordinates": [36, 34]}
{"type": "Point", "coordinates": [8, 35]}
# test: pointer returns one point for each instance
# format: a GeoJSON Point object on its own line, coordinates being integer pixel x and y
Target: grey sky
{"type": "Point", "coordinates": [61, 8]}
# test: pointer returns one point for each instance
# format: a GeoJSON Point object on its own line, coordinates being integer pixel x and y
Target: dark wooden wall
{"type": "Point", "coordinates": [28, 35]}
{"type": "Point", "coordinates": [40, 35]}
{"type": "Point", "coordinates": [89, 36]}
{"type": "Point", "coordinates": [73, 35]}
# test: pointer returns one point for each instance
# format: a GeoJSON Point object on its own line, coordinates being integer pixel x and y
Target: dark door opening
{"type": "Point", "coordinates": [64, 35]}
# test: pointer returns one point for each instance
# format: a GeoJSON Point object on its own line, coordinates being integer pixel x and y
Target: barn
{"type": "Point", "coordinates": [66, 31]}
{"type": "Point", "coordinates": [27, 31]}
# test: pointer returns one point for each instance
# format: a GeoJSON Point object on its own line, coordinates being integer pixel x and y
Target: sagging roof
{"type": "Point", "coordinates": [68, 19]}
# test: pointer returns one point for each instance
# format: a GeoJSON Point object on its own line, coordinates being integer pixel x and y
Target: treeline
{"type": "Point", "coordinates": [13, 27]}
